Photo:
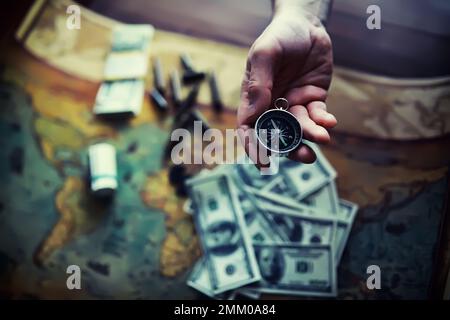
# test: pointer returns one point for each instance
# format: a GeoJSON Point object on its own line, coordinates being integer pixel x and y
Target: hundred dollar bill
{"type": "Point", "coordinates": [129, 57]}
{"type": "Point", "coordinates": [200, 280]}
{"type": "Point", "coordinates": [344, 225]}
{"type": "Point", "coordinates": [256, 222]}
{"type": "Point", "coordinates": [343, 221]}
{"type": "Point", "coordinates": [295, 180]}
{"type": "Point", "coordinates": [303, 179]}
{"type": "Point", "coordinates": [295, 269]}
{"type": "Point", "coordinates": [268, 199]}
{"type": "Point", "coordinates": [325, 199]}
{"type": "Point", "coordinates": [225, 240]}
{"type": "Point", "coordinates": [258, 225]}
{"type": "Point", "coordinates": [122, 65]}
{"type": "Point", "coordinates": [250, 175]}
{"type": "Point", "coordinates": [302, 228]}
{"type": "Point", "coordinates": [119, 97]}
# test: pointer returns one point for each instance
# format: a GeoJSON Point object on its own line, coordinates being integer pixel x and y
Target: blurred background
{"type": "Point", "coordinates": [390, 94]}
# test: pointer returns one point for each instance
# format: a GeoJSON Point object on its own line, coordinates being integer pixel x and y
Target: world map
{"type": "Point", "coordinates": [143, 245]}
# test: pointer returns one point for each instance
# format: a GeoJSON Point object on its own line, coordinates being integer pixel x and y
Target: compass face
{"type": "Point", "coordinates": [279, 131]}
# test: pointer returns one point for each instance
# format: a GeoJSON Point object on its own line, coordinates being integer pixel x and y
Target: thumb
{"type": "Point", "coordinates": [256, 92]}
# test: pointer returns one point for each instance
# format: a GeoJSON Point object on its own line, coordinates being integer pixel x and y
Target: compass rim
{"type": "Point", "coordinates": [295, 146]}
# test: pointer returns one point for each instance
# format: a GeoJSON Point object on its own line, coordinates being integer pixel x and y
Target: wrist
{"type": "Point", "coordinates": [310, 9]}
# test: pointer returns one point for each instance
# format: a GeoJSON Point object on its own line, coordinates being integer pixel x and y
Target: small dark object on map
{"type": "Point", "coordinates": [190, 76]}
{"type": "Point", "coordinates": [191, 99]}
{"type": "Point", "coordinates": [185, 117]}
{"type": "Point", "coordinates": [175, 88]}
{"type": "Point", "coordinates": [159, 100]}
{"type": "Point", "coordinates": [177, 173]}
{"type": "Point", "coordinates": [186, 62]}
{"type": "Point", "coordinates": [215, 94]}
{"type": "Point", "coordinates": [158, 78]}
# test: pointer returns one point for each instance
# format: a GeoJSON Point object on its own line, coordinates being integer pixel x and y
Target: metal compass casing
{"type": "Point", "coordinates": [278, 130]}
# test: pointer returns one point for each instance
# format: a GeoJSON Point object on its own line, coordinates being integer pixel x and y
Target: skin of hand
{"type": "Point", "coordinates": [293, 59]}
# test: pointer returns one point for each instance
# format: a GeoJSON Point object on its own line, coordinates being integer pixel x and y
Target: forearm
{"type": "Point", "coordinates": [317, 8]}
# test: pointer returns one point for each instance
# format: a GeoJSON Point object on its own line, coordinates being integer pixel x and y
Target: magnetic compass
{"type": "Point", "coordinates": [278, 130]}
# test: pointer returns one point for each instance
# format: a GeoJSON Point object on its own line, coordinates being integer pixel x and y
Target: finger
{"type": "Point", "coordinates": [303, 154]}
{"type": "Point", "coordinates": [318, 113]}
{"type": "Point", "coordinates": [306, 94]}
{"type": "Point", "coordinates": [314, 98]}
{"type": "Point", "coordinates": [257, 153]}
{"type": "Point", "coordinates": [311, 131]}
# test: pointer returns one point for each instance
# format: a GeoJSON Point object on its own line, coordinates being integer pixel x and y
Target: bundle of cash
{"type": "Point", "coordinates": [276, 234]}
{"type": "Point", "coordinates": [129, 54]}
{"type": "Point", "coordinates": [125, 68]}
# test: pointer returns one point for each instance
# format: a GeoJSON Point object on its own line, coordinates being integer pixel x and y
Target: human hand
{"type": "Point", "coordinates": [293, 59]}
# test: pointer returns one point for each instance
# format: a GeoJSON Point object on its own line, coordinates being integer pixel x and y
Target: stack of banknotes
{"type": "Point", "coordinates": [280, 234]}
{"type": "Point", "coordinates": [126, 66]}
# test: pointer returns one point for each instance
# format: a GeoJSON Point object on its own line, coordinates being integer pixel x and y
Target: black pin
{"type": "Point", "coordinates": [175, 88]}
{"type": "Point", "coordinates": [191, 99]}
{"type": "Point", "coordinates": [183, 115]}
{"type": "Point", "coordinates": [198, 116]}
{"type": "Point", "coordinates": [158, 78]}
{"type": "Point", "coordinates": [159, 100]}
{"type": "Point", "coordinates": [186, 62]}
{"type": "Point", "coordinates": [190, 76]}
{"type": "Point", "coordinates": [215, 94]}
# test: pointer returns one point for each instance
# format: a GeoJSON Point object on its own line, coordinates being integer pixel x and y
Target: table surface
{"type": "Point", "coordinates": [144, 245]}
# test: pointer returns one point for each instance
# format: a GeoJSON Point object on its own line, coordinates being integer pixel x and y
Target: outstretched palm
{"type": "Point", "coordinates": [292, 59]}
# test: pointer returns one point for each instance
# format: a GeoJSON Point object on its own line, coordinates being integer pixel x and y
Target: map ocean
{"type": "Point", "coordinates": [118, 252]}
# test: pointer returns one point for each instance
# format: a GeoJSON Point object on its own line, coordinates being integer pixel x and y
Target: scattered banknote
{"type": "Point", "coordinates": [301, 228]}
{"type": "Point", "coordinates": [130, 54]}
{"type": "Point", "coordinates": [347, 214]}
{"type": "Point", "coordinates": [126, 65]}
{"type": "Point", "coordinates": [343, 220]}
{"type": "Point", "coordinates": [294, 221]}
{"type": "Point", "coordinates": [303, 179]}
{"type": "Point", "coordinates": [226, 243]}
{"type": "Point", "coordinates": [258, 223]}
{"type": "Point", "coordinates": [295, 179]}
{"type": "Point", "coordinates": [296, 269]}
{"type": "Point", "coordinates": [325, 198]}
{"type": "Point", "coordinates": [119, 97]}
{"type": "Point", "coordinates": [200, 280]}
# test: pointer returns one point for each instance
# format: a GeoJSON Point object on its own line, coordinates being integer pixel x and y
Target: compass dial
{"type": "Point", "coordinates": [279, 131]}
